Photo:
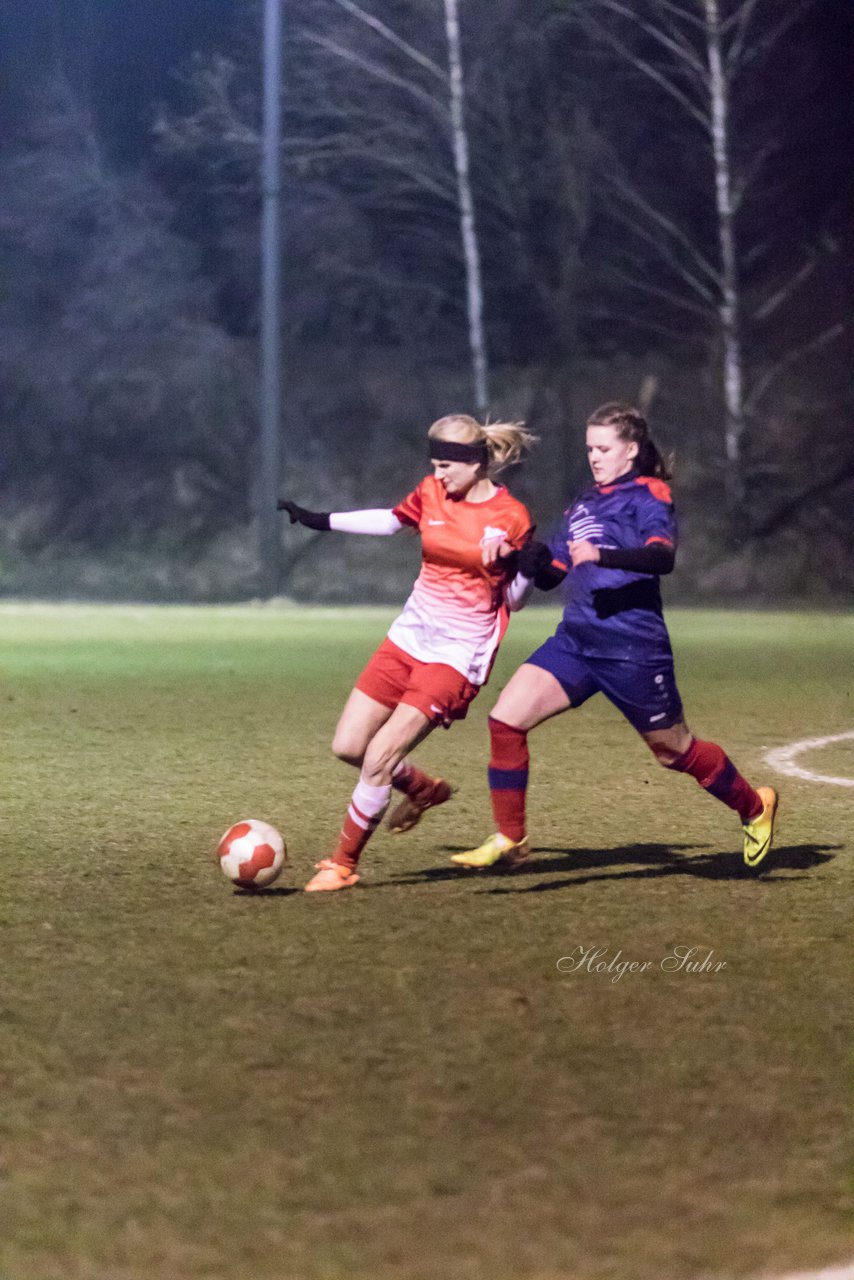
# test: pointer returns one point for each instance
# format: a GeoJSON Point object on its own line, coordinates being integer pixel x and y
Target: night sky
{"type": "Point", "coordinates": [128, 50]}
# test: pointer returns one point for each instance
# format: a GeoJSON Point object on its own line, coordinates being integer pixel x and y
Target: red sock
{"type": "Point", "coordinates": [508, 778]}
{"type": "Point", "coordinates": [412, 781]}
{"type": "Point", "coordinates": [360, 822]}
{"type": "Point", "coordinates": [717, 774]}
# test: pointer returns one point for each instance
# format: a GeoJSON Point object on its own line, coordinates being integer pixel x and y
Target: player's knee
{"type": "Point", "coordinates": [346, 749]}
{"type": "Point", "coordinates": [502, 709]}
{"type": "Point", "coordinates": [666, 755]}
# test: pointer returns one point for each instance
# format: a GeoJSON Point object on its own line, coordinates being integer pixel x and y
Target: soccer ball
{"type": "Point", "coordinates": [251, 854]}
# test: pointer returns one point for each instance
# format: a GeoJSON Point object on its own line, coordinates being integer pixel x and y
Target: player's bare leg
{"type": "Point", "coordinates": [531, 696]}
{"type": "Point", "coordinates": [360, 720]}
{"type": "Point", "coordinates": [404, 728]}
{"type": "Point", "coordinates": [667, 745]}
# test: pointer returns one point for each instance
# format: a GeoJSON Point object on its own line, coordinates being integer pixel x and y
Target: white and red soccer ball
{"type": "Point", "coordinates": [252, 854]}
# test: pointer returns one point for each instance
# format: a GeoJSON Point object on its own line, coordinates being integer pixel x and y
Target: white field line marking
{"type": "Point", "coordinates": [830, 1273]}
{"type": "Point", "coordinates": [782, 759]}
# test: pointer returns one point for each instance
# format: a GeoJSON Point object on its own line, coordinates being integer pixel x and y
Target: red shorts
{"type": "Point", "coordinates": [439, 691]}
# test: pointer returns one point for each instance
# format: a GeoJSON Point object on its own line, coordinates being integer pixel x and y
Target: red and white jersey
{"type": "Point", "coordinates": [456, 613]}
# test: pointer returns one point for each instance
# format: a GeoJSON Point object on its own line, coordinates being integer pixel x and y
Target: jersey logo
{"type": "Point", "coordinates": [583, 527]}
{"type": "Point", "coordinates": [493, 535]}
{"type": "Point", "coordinates": [435, 521]}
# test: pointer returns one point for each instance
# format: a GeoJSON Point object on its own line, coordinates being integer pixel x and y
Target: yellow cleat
{"type": "Point", "coordinates": [759, 832]}
{"type": "Point", "coordinates": [497, 850]}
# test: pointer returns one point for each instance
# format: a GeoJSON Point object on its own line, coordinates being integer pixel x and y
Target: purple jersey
{"type": "Point", "coordinates": [612, 613]}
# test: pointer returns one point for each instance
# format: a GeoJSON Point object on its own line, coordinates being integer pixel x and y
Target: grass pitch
{"type": "Point", "coordinates": [399, 1082]}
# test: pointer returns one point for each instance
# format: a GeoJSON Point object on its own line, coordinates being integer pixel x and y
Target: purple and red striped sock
{"type": "Point", "coordinates": [508, 778]}
{"type": "Point", "coordinates": [716, 773]}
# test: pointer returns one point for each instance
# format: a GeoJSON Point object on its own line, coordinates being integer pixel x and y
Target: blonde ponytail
{"type": "Point", "coordinates": [506, 442]}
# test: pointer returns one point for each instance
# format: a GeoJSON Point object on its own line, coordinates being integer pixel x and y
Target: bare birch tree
{"type": "Point", "coordinates": [729, 307]}
{"type": "Point", "coordinates": [697, 55]}
{"type": "Point", "coordinates": [451, 78]}
{"type": "Point", "coordinates": [442, 174]}
{"type": "Point", "coordinates": [468, 227]}
{"type": "Point", "coordinates": [363, 94]}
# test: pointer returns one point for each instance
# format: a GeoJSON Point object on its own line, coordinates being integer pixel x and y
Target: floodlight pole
{"type": "Point", "coordinates": [271, 192]}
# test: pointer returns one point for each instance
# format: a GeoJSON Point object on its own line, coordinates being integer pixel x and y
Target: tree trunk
{"type": "Point", "coordinates": [729, 308]}
{"type": "Point", "coordinates": [474, 286]}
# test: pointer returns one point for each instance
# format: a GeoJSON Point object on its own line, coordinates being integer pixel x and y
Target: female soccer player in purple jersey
{"type": "Point", "coordinates": [616, 540]}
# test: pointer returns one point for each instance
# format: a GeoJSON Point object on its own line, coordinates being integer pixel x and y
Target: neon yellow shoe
{"type": "Point", "coordinates": [759, 832]}
{"type": "Point", "coordinates": [498, 849]}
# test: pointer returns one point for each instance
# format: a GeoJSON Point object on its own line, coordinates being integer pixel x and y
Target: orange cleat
{"type": "Point", "coordinates": [409, 812]}
{"type": "Point", "coordinates": [331, 876]}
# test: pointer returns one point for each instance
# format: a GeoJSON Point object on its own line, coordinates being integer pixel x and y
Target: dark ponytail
{"type": "Point", "coordinates": [630, 424]}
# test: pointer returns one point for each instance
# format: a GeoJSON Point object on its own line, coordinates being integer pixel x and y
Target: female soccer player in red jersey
{"type": "Point", "coordinates": [615, 541]}
{"type": "Point", "coordinates": [440, 649]}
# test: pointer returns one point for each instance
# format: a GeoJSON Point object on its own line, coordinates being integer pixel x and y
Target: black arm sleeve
{"type": "Point", "coordinates": [656, 557]}
{"type": "Point", "coordinates": [533, 557]}
{"type": "Point", "coordinates": [299, 515]}
{"type": "Point", "coordinates": [535, 562]}
{"type": "Point", "coordinates": [549, 577]}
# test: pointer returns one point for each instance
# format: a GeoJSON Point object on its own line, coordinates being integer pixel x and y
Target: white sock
{"type": "Point", "coordinates": [369, 803]}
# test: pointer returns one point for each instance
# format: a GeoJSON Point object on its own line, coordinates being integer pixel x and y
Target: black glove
{"type": "Point", "coordinates": [299, 515]}
{"type": "Point", "coordinates": [533, 558]}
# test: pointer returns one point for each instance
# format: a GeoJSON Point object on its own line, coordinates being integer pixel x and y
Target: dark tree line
{"type": "Point", "coordinates": [659, 213]}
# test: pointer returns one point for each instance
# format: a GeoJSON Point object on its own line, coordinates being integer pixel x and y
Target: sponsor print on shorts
{"type": "Point", "coordinates": [663, 692]}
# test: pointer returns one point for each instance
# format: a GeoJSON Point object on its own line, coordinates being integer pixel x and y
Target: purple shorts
{"type": "Point", "coordinates": [645, 694]}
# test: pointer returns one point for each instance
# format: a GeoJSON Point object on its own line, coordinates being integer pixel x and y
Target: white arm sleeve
{"type": "Point", "coordinates": [517, 592]}
{"type": "Point", "coordinates": [381, 523]}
